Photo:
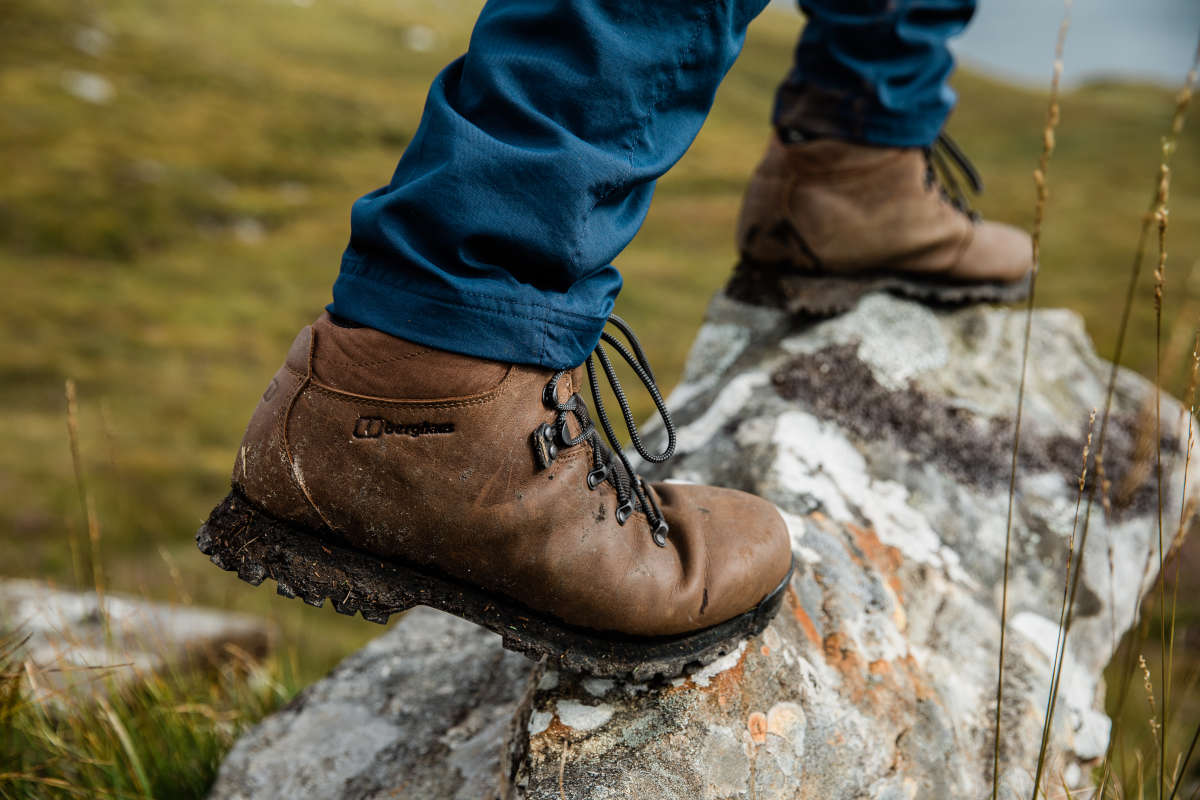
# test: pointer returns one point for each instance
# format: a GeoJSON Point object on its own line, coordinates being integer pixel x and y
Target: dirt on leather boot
{"type": "Point", "coordinates": [825, 221]}
{"type": "Point", "coordinates": [382, 474]}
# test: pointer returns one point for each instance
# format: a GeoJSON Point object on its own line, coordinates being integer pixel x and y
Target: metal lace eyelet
{"type": "Point", "coordinates": [596, 477]}
{"type": "Point", "coordinates": [624, 512]}
{"type": "Point", "coordinates": [544, 450]}
{"type": "Point", "coordinates": [550, 392]}
{"type": "Point", "coordinates": [659, 534]}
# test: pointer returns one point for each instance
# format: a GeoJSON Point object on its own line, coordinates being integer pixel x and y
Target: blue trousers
{"type": "Point", "coordinates": [538, 151]}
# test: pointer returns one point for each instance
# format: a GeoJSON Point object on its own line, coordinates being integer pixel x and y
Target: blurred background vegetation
{"type": "Point", "coordinates": [176, 193]}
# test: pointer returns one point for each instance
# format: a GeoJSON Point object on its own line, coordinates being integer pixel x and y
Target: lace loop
{"type": "Point", "coordinates": [946, 164]}
{"type": "Point", "coordinates": [610, 462]}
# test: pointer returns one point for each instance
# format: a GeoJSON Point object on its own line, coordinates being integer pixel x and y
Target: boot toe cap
{"type": "Point", "coordinates": [996, 252]}
{"type": "Point", "coordinates": [734, 547]}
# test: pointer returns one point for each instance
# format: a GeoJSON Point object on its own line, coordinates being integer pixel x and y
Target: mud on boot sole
{"type": "Point", "coordinates": [239, 537]}
{"type": "Point", "coordinates": [821, 295]}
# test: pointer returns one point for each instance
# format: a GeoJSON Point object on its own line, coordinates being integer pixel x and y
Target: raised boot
{"type": "Point", "coordinates": [825, 221]}
{"type": "Point", "coordinates": [382, 474]}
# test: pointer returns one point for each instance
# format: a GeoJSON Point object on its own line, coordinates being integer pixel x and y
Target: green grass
{"type": "Point", "coordinates": [162, 737]}
{"type": "Point", "coordinates": [163, 248]}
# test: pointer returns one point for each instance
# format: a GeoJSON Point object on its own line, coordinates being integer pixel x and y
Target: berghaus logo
{"type": "Point", "coordinates": [376, 427]}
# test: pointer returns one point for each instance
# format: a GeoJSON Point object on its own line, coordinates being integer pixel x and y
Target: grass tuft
{"type": "Point", "coordinates": [160, 736]}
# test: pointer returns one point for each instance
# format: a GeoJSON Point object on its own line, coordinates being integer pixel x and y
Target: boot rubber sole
{"type": "Point", "coordinates": [823, 294]}
{"type": "Point", "coordinates": [239, 537]}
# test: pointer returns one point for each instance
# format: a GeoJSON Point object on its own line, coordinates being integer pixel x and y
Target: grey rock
{"type": "Point", "coordinates": [422, 711]}
{"type": "Point", "coordinates": [68, 639]}
{"type": "Point", "coordinates": [884, 435]}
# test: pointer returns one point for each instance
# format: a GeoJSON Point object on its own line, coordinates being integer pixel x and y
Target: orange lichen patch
{"type": "Point", "coordinates": [841, 654]}
{"type": "Point", "coordinates": [549, 743]}
{"type": "Point", "coordinates": [766, 651]}
{"type": "Point", "coordinates": [916, 677]}
{"type": "Point", "coordinates": [727, 686]}
{"type": "Point", "coordinates": [556, 731]}
{"type": "Point", "coordinates": [900, 678]}
{"type": "Point", "coordinates": [757, 725]}
{"type": "Point", "coordinates": [883, 557]}
{"type": "Point", "coordinates": [882, 683]}
{"type": "Point", "coordinates": [802, 617]}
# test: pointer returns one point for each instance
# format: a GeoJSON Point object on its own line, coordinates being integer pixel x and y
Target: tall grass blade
{"type": "Point", "coordinates": [1060, 647]}
{"type": "Point", "coordinates": [1186, 760]}
{"type": "Point", "coordinates": [1052, 117]}
{"type": "Point", "coordinates": [1183, 102]}
{"type": "Point", "coordinates": [86, 502]}
{"type": "Point", "coordinates": [1160, 281]}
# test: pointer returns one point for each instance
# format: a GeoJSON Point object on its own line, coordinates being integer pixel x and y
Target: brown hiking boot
{"type": "Point", "coordinates": [383, 474]}
{"type": "Point", "coordinates": [825, 221]}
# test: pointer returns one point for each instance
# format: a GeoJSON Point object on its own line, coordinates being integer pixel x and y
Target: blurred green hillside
{"type": "Point", "coordinates": [177, 177]}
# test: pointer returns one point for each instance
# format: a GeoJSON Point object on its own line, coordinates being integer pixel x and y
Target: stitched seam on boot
{"type": "Point", "coordinates": [297, 477]}
{"type": "Point", "coordinates": [375, 363]}
{"type": "Point", "coordinates": [369, 400]}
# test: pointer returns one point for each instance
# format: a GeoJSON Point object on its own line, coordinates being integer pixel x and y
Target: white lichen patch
{"type": "Point", "coordinates": [796, 531]}
{"type": "Point", "coordinates": [1089, 728]}
{"type": "Point", "coordinates": [731, 399]}
{"type": "Point", "coordinates": [787, 719]}
{"type": "Point", "coordinates": [539, 721]}
{"type": "Point", "coordinates": [576, 715]}
{"type": "Point", "coordinates": [816, 458]}
{"type": "Point", "coordinates": [703, 676]}
{"type": "Point", "coordinates": [717, 345]}
{"type": "Point", "coordinates": [597, 687]}
{"type": "Point", "coordinates": [897, 339]}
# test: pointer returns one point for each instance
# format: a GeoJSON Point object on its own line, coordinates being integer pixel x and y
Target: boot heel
{"type": "Point", "coordinates": [239, 538]}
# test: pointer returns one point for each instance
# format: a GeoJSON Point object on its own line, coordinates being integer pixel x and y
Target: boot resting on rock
{"type": "Point", "coordinates": [383, 474]}
{"type": "Point", "coordinates": [825, 221]}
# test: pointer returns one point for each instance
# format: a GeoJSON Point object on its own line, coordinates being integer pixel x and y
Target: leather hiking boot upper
{"type": "Point", "coordinates": [492, 474]}
{"type": "Point", "coordinates": [830, 206]}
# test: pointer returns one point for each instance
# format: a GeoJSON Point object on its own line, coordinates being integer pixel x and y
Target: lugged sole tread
{"type": "Point", "coordinates": [238, 537]}
{"type": "Point", "coordinates": [824, 295]}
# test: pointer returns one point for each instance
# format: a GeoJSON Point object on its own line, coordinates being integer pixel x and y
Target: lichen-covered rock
{"type": "Point", "coordinates": [885, 437]}
{"type": "Point", "coordinates": [66, 639]}
{"type": "Point", "coordinates": [422, 711]}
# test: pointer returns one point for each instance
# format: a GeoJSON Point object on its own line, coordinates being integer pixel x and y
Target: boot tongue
{"type": "Point", "coordinates": [366, 361]}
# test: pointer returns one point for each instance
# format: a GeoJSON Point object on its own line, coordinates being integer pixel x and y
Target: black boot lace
{"type": "Point", "coordinates": [945, 165]}
{"type": "Point", "coordinates": [612, 465]}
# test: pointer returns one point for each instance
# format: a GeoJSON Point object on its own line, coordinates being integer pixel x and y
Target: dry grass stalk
{"type": "Point", "coordinates": [1039, 181]}
{"type": "Point", "coordinates": [1190, 410]}
{"type": "Point", "coordinates": [1039, 177]}
{"type": "Point", "coordinates": [1156, 213]}
{"type": "Point", "coordinates": [1060, 646]}
{"type": "Point", "coordinates": [185, 596]}
{"type": "Point", "coordinates": [1177, 542]}
{"type": "Point", "coordinates": [562, 768]}
{"type": "Point", "coordinates": [1181, 770]}
{"type": "Point", "coordinates": [1161, 216]}
{"type": "Point", "coordinates": [86, 503]}
{"type": "Point", "coordinates": [1160, 280]}
{"type": "Point", "coordinates": [1148, 685]}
